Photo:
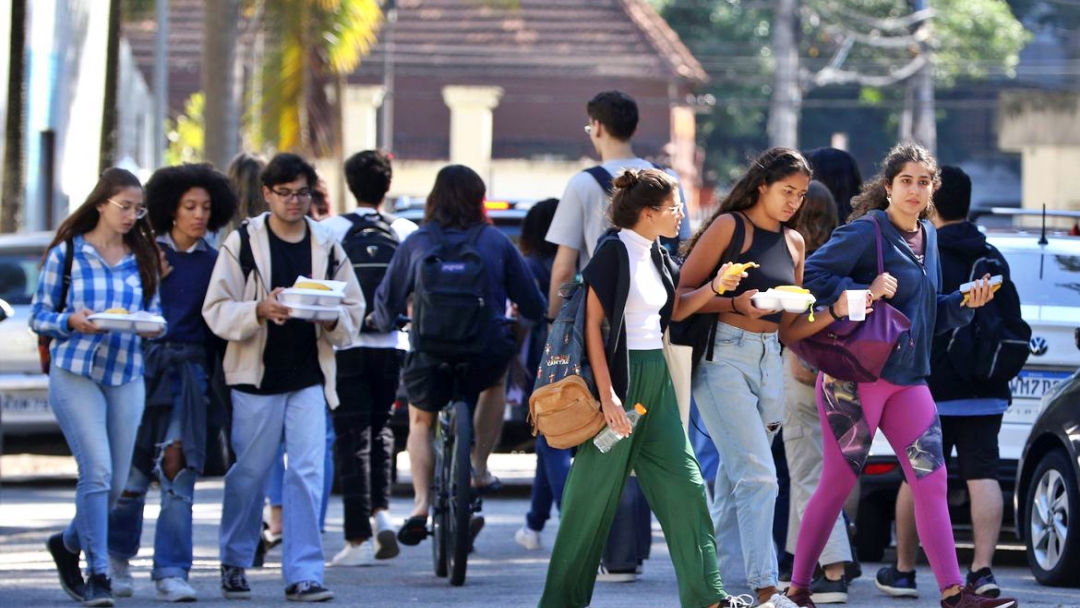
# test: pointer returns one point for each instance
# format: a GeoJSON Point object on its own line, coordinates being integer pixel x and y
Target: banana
{"type": "Point", "coordinates": [791, 288]}
{"type": "Point", "coordinates": [311, 285]}
{"type": "Point", "coordinates": [117, 311]}
{"type": "Point", "coordinates": [739, 268]}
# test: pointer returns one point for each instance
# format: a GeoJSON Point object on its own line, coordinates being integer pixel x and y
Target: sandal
{"type": "Point", "coordinates": [492, 486]}
{"type": "Point", "coordinates": [413, 530]}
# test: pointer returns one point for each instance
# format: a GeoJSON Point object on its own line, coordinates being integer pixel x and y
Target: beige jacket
{"type": "Point", "coordinates": [229, 307]}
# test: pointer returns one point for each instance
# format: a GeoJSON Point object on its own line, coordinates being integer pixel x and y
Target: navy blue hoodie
{"type": "Point", "coordinates": [848, 260]}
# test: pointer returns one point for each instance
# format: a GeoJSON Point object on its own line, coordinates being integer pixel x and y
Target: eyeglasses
{"type": "Point", "coordinates": [303, 196]}
{"type": "Point", "coordinates": [138, 210]}
{"type": "Point", "coordinates": [675, 209]}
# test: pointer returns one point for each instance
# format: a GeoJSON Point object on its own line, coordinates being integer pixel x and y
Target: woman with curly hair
{"type": "Point", "coordinates": [96, 384]}
{"type": "Point", "coordinates": [185, 203]}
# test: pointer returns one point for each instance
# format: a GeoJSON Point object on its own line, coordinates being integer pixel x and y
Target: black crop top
{"type": "Point", "coordinates": [770, 250]}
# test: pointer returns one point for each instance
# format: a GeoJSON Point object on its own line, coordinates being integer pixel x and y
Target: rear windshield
{"type": "Point", "coordinates": [1045, 279]}
{"type": "Point", "coordinates": [18, 277]}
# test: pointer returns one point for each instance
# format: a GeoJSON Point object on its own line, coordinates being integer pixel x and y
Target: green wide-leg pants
{"type": "Point", "coordinates": [669, 475]}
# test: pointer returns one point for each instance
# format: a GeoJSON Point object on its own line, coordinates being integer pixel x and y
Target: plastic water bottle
{"type": "Point", "coordinates": [607, 438]}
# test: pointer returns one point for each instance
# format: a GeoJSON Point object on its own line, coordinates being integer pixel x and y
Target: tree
{"type": "Point", "coordinates": [11, 207]}
{"type": "Point", "coordinates": [219, 80]}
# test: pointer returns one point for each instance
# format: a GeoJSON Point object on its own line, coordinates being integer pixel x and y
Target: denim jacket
{"type": "Point", "coordinates": [848, 260]}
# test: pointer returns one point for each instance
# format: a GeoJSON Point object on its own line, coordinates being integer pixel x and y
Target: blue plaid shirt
{"type": "Point", "coordinates": [111, 358]}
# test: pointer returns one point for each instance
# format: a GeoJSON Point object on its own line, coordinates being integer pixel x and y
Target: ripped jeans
{"type": "Point", "coordinates": [740, 396]}
{"type": "Point", "coordinates": [173, 545]}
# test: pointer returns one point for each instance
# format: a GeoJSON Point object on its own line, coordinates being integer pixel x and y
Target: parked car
{"type": "Point", "coordinates": [1047, 497]}
{"type": "Point", "coordinates": [1046, 272]}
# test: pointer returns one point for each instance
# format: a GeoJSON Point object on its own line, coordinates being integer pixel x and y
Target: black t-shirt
{"type": "Point", "coordinates": [291, 357]}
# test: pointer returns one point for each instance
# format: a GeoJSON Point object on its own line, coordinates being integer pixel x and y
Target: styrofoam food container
{"type": "Point", "coordinates": [137, 322]}
{"type": "Point", "coordinates": [774, 299]}
{"type": "Point", "coordinates": [313, 297]}
{"type": "Point", "coordinates": [309, 312]}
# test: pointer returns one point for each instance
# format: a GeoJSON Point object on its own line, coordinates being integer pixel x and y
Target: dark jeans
{"type": "Point", "coordinates": [367, 381]}
{"type": "Point", "coordinates": [552, 467]}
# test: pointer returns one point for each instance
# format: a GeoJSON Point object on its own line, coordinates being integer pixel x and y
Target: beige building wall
{"type": "Point", "coordinates": [1044, 127]}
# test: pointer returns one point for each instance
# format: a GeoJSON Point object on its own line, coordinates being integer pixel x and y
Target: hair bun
{"type": "Point", "coordinates": [627, 179]}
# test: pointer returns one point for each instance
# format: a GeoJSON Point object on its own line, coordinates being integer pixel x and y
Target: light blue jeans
{"type": "Point", "coordinates": [740, 395]}
{"type": "Point", "coordinates": [274, 485]}
{"type": "Point", "coordinates": [100, 424]}
{"type": "Point", "coordinates": [259, 422]}
{"type": "Point", "coordinates": [173, 545]}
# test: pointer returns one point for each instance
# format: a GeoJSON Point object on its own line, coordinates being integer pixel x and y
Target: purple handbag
{"type": "Point", "coordinates": [856, 350]}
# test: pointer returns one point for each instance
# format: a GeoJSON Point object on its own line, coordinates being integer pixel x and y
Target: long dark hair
{"type": "Point", "coordinates": [457, 198]}
{"type": "Point", "coordinates": [840, 173]}
{"type": "Point", "coordinates": [534, 229]}
{"type": "Point", "coordinates": [140, 239]}
{"type": "Point", "coordinates": [243, 172]}
{"type": "Point", "coordinates": [874, 195]}
{"type": "Point", "coordinates": [817, 216]}
{"type": "Point", "coordinates": [772, 166]}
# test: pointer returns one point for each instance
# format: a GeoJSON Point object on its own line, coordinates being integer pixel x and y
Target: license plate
{"type": "Point", "coordinates": [24, 405]}
{"type": "Point", "coordinates": [1032, 384]}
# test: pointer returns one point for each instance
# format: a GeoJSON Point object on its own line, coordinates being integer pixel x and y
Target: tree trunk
{"type": "Point", "coordinates": [11, 207]}
{"type": "Point", "coordinates": [905, 131]}
{"type": "Point", "coordinates": [219, 81]}
{"type": "Point", "coordinates": [112, 79]}
{"type": "Point", "coordinates": [924, 131]}
{"type": "Point", "coordinates": [786, 104]}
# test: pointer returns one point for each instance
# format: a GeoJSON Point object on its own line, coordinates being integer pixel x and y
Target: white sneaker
{"type": "Point", "coordinates": [528, 538]}
{"type": "Point", "coordinates": [385, 541]}
{"type": "Point", "coordinates": [355, 555]}
{"type": "Point", "coordinates": [123, 585]}
{"type": "Point", "coordinates": [604, 576]}
{"type": "Point", "coordinates": [174, 589]}
{"type": "Point", "coordinates": [779, 600]}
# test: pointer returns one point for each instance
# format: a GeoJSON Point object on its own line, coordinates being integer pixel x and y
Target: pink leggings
{"type": "Point", "coordinates": [850, 415]}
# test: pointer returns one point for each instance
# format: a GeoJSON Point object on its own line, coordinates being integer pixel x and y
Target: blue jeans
{"type": "Point", "coordinates": [173, 546]}
{"type": "Point", "coordinates": [552, 467]}
{"type": "Point", "coordinates": [100, 424]}
{"type": "Point", "coordinates": [275, 485]}
{"type": "Point", "coordinates": [740, 396]}
{"type": "Point", "coordinates": [259, 421]}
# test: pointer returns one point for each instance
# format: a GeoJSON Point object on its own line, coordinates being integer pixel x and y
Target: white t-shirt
{"type": "Point", "coordinates": [339, 226]}
{"type": "Point", "coordinates": [646, 296]}
{"type": "Point", "coordinates": [582, 215]}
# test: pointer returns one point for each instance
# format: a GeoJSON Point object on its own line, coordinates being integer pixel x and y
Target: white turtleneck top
{"type": "Point", "coordinates": [647, 294]}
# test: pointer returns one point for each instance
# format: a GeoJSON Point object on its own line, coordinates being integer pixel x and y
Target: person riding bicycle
{"type": "Point", "coordinates": [454, 221]}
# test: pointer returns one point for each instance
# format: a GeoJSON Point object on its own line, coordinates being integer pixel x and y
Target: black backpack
{"type": "Point", "coordinates": [370, 245]}
{"type": "Point", "coordinates": [246, 258]}
{"type": "Point", "coordinates": [995, 346]}
{"type": "Point", "coordinates": [451, 319]}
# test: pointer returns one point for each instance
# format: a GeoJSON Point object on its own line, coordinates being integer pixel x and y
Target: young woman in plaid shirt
{"type": "Point", "coordinates": [96, 385]}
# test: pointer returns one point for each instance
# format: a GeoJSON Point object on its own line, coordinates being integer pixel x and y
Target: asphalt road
{"type": "Point", "coordinates": [501, 573]}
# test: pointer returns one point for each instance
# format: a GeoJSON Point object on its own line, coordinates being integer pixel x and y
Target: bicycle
{"type": "Point", "coordinates": [453, 500]}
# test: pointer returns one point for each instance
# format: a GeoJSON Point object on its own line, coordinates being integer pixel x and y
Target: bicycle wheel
{"type": "Point", "coordinates": [460, 499]}
{"type": "Point", "coordinates": [440, 493]}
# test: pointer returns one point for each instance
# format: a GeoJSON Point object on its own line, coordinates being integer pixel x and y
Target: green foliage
{"type": "Point", "coordinates": [186, 135]}
{"type": "Point", "coordinates": [976, 38]}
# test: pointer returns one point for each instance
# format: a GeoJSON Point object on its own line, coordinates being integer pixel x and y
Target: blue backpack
{"type": "Point", "coordinates": [563, 406]}
{"type": "Point", "coordinates": [451, 319]}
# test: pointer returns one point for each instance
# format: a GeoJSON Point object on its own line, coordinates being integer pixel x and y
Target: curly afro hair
{"type": "Point", "coordinates": [168, 184]}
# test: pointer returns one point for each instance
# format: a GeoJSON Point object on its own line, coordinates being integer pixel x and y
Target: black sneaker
{"type": "Point", "coordinates": [896, 583]}
{"type": "Point", "coordinates": [308, 591]}
{"type": "Point", "coordinates": [982, 582]}
{"type": "Point", "coordinates": [67, 566]}
{"type": "Point", "coordinates": [824, 591]}
{"type": "Point", "coordinates": [234, 585]}
{"type": "Point", "coordinates": [98, 591]}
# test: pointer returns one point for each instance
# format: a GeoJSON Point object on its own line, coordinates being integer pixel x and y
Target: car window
{"type": "Point", "coordinates": [1045, 279]}
{"type": "Point", "coordinates": [18, 277]}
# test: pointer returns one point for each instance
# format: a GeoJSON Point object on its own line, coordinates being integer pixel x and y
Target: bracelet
{"type": "Point", "coordinates": [833, 313]}
{"type": "Point", "coordinates": [734, 308]}
{"type": "Point", "coordinates": [712, 286]}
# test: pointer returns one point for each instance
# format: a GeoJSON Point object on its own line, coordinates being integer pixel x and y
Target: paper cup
{"type": "Point", "coordinates": [856, 303]}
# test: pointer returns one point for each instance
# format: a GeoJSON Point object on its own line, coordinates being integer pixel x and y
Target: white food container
{"type": "Point", "coordinates": [139, 322]}
{"type": "Point", "coordinates": [774, 299]}
{"type": "Point", "coordinates": [309, 312]}
{"type": "Point", "coordinates": [313, 297]}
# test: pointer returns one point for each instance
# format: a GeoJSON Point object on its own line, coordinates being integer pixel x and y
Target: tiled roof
{"type": "Point", "coordinates": [564, 38]}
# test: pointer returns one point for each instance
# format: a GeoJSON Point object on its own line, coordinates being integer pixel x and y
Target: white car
{"type": "Point", "coordinates": [24, 406]}
{"type": "Point", "coordinates": [1047, 277]}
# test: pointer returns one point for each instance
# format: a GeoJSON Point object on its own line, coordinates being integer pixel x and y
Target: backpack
{"type": "Point", "coordinates": [605, 179]}
{"type": "Point", "coordinates": [370, 245]}
{"type": "Point", "coordinates": [699, 329]}
{"type": "Point", "coordinates": [563, 406]}
{"type": "Point", "coordinates": [995, 346]}
{"type": "Point", "coordinates": [43, 341]}
{"type": "Point", "coordinates": [246, 258]}
{"type": "Point", "coordinates": [451, 319]}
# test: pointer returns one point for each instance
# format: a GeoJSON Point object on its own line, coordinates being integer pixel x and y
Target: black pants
{"type": "Point", "coordinates": [367, 380]}
{"type": "Point", "coordinates": [630, 539]}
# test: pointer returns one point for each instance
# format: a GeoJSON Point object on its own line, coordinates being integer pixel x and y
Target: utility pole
{"type": "Point", "coordinates": [786, 103]}
{"type": "Point", "coordinates": [925, 127]}
{"type": "Point", "coordinates": [161, 81]}
{"type": "Point", "coordinates": [387, 140]}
